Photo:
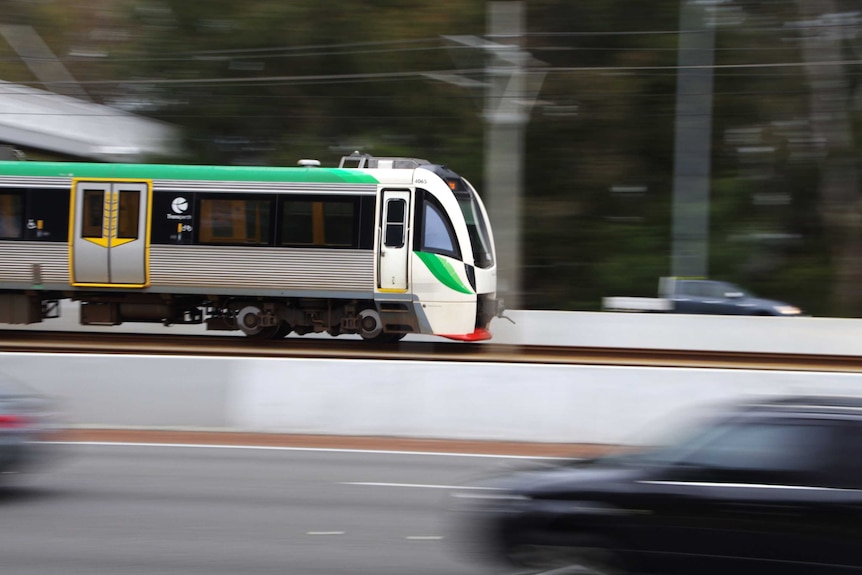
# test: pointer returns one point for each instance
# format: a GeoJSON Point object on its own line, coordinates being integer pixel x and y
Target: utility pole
{"type": "Point", "coordinates": [511, 84]}
{"type": "Point", "coordinates": [505, 123]}
{"type": "Point", "coordinates": [693, 141]}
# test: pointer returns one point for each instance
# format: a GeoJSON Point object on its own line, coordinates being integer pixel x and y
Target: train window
{"type": "Point", "coordinates": [127, 220]}
{"type": "Point", "coordinates": [339, 223]}
{"type": "Point", "coordinates": [480, 239]}
{"type": "Point", "coordinates": [324, 223]}
{"type": "Point", "coordinates": [438, 236]}
{"type": "Point", "coordinates": [11, 215]}
{"type": "Point", "coordinates": [94, 213]}
{"type": "Point", "coordinates": [297, 223]}
{"type": "Point", "coordinates": [396, 215]}
{"type": "Point", "coordinates": [367, 210]}
{"type": "Point", "coordinates": [235, 221]}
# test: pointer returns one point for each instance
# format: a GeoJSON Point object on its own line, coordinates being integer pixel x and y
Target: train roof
{"type": "Point", "coordinates": [188, 172]}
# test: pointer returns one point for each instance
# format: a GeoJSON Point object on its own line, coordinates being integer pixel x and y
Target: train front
{"type": "Point", "coordinates": [473, 250]}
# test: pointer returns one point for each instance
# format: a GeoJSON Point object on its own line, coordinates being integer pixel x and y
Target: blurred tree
{"type": "Point", "coordinates": [830, 43]}
{"type": "Point", "coordinates": [268, 81]}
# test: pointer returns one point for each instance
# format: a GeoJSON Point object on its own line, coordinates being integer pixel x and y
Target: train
{"type": "Point", "coordinates": [379, 247]}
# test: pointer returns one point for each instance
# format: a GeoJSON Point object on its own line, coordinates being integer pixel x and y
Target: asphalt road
{"type": "Point", "coordinates": [140, 509]}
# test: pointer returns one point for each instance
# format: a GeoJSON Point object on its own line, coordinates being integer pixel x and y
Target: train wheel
{"type": "Point", "coordinates": [281, 330]}
{"type": "Point", "coordinates": [370, 325]}
{"type": "Point", "coordinates": [248, 320]}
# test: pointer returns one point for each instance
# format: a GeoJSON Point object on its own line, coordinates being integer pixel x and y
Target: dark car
{"type": "Point", "coordinates": [766, 487]}
{"type": "Point", "coordinates": [723, 298]}
{"type": "Point", "coordinates": [27, 420]}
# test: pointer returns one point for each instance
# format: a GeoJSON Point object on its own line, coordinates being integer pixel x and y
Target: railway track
{"type": "Point", "coordinates": [218, 346]}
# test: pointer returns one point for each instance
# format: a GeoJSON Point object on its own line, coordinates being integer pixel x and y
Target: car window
{"type": "Point", "coordinates": [762, 446]}
{"type": "Point", "coordinates": [716, 290]}
{"type": "Point", "coordinates": [692, 288]}
{"type": "Point", "coordinates": [845, 468]}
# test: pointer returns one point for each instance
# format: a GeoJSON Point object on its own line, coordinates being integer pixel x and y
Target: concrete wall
{"type": "Point", "coordinates": [549, 403]}
{"type": "Point", "coordinates": [553, 403]}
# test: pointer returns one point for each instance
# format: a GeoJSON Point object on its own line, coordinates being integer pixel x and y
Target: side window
{"type": "Point", "coordinates": [762, 447]}
{"type": "Point", "coordinates": [339, 224]}
{"type": "Point", "coordinates": [438, 235]}
{"type": "Point", "coordinates": [695, 289]}
{"type": "Point", "coordinates": [237, 221]}
{"type": "Point", "coordinates": [297, 222]}
{"type": "Point", "coordinates": [845, 465]}
{"type": "Point", "coordinates": [326, 222]}
{"type": "Point", "coordinates": [719, 290]}
{"type": "Point", "coordinates": [11, 215]}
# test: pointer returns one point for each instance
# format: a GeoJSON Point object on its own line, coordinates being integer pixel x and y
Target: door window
{"type": "Point", "coordinates": [127, 222]}
{"type": "Point", "coordinates": [396, 213]}
{"type": "Point", "coordinates": [92, 221]}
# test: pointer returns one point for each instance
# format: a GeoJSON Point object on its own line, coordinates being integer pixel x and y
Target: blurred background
{"type": "Point", "coordinates": [626, 141]}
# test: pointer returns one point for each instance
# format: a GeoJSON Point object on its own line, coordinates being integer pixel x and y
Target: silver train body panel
{"type": "Point", "coordinates": [200, 269]}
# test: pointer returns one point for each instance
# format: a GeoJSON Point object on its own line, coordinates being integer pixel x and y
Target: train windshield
{"type": "Point", "coordinates": [483, 253]}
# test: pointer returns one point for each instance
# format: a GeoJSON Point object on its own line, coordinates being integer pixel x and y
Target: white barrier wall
{"type": "Point", "coordinates": [815, 335]}
{"type": "Point", "coordinates": [547, 403]}
{"type": "Point", "coordinates": [553, 403]}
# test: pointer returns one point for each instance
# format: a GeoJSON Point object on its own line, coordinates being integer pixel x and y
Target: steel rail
{"type": "Point", "coordinates": [220, 346]}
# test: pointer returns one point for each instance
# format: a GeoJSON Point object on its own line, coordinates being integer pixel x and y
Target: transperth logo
{"type": "Point", "coordinates": [180, 205]}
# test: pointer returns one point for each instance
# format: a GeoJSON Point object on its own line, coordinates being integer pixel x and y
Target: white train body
{"type": "Point", "coordinates": [383, 249]}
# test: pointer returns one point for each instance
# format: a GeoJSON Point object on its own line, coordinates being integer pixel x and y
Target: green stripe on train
{"type": "Point", "coordinates": [443, 271]}
{"type": "Point", "coordinates": [187, 172]}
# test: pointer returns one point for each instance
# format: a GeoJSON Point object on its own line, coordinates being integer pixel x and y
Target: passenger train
{"type": "Point", "coordinates": [380, 247]}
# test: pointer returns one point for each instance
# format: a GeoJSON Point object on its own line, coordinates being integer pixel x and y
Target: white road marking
{"type": "Point", "coordinates": [415, 485]}
{"type": "Point", "coordinates": [325, 533]}
{"type": "Point", "coordinates": [424, 537]}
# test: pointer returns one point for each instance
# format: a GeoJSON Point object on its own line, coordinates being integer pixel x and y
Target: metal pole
{"type": "Point", "coordinates": [693, 142]}
{"type": "Point", "coordinates": [512, 82]}
{"type": "Point", "coordinates": [505, 121]}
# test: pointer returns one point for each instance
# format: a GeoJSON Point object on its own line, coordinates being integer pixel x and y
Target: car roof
{"type": "Point", "coordinates": [848, 406]}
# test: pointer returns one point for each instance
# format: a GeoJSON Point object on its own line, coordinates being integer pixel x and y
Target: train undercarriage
{"type": "Point", "coordinates": [261, 318]}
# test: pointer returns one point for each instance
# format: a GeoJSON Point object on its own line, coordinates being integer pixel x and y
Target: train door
{"type": "Point", "coordinates": [109, 235]}
{"type": "Point", "coordinates": [392, 260]}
